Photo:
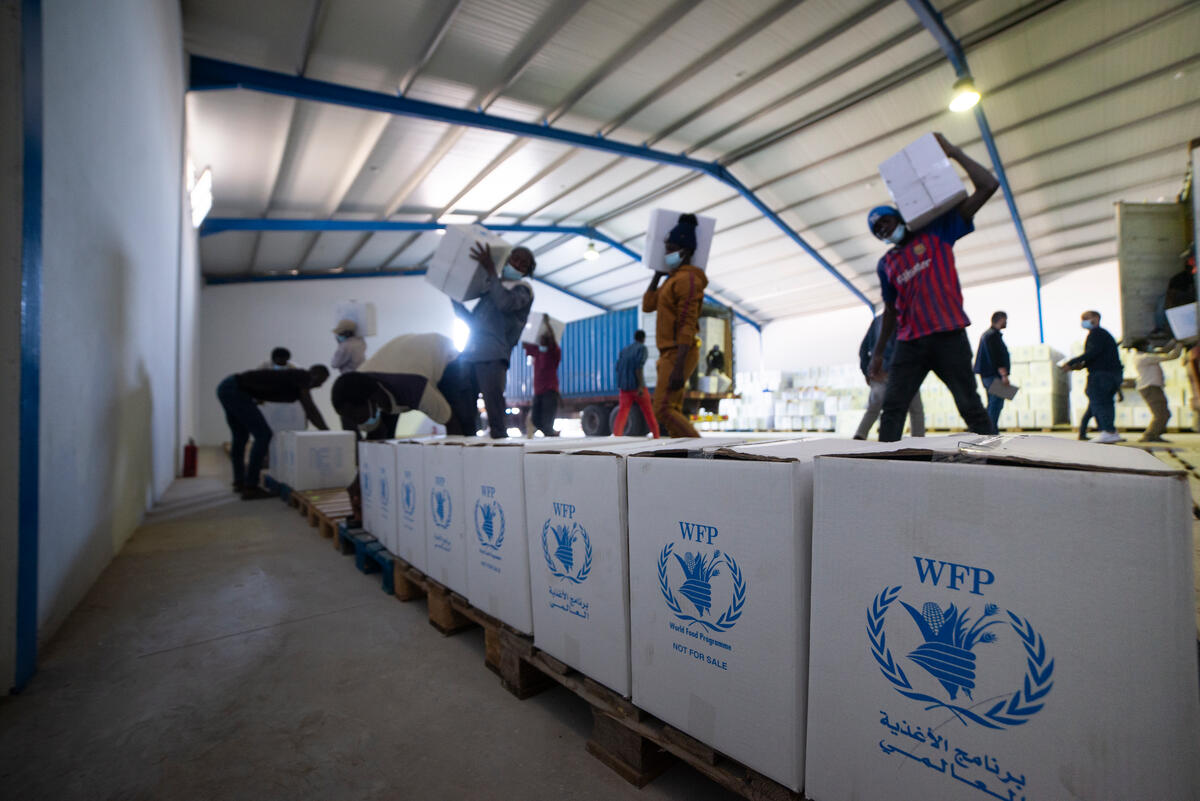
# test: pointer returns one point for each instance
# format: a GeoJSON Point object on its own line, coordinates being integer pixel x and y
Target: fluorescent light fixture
{"type": "Point", "coordinates": [591, 254]}
{"type": "Point", "coordinates": [440, 232]}
{"type": "Point", "coordinates": [965, 95]}
{"type": "Point", "coordinates": [460, 332]}
{"type": "Point", "coordinates": [201, 197]}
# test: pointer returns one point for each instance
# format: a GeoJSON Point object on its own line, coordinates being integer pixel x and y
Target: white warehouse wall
{"type": "Point", "coordinates": [833, 337]}
{"type": "Point", "coordinates": [241, 323]}
{"type": "Point", "coordinates": [114, 84]}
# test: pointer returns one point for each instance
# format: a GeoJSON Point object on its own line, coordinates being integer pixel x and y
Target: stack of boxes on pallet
{"type": "Point", "coordinates": [853, 619]}
{"type": "Point", "coordinates": [1044, 397]}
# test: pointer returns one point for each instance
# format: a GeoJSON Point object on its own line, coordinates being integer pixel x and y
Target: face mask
{"type": "Point", "coordinates": [1086, 324]}
{"type": "Point", "coordinates": [543, 348]}
{"type": "Point", "coordinates": [897, 234]}
{"type": "Point", "coordinates": [510, 273]}
{"type": "Point", "coordinates": [342, 337]}
{"type": "Point", "coordinates": [673, 260]}
{"type": "Point", "coordinates": [372, 422]}
{"type": "Point", "coordinates": [278, 366]}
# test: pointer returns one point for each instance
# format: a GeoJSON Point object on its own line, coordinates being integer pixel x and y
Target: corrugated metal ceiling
{"type": "Point", "coordinates": [1090, 100]}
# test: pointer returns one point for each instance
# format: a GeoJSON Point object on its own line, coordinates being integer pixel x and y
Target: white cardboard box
{"type": "Point", "coordinates": [661, 223]}
{"type": "Point", "coordinates": [277, 451]}
{"type": "Point", "coordinates": [383, 465]}
{"type": "Point", "coordinates": [452, 269]}
{"type": "Point", "coordinates": [922, 182]}
{"type": "Point", "coordinates": [575, 506]}
{"type": "Point", "coordinates": [366, 486]}
{"type": "Point", "coordinates": [719, 569]}
{"type": "Point", "coordinates": [412, 505]}
{"type": "Point", "coordinates": [533, 328]}
{"type": "Point", "coordinates": [446, 514]}
{"type": "Point", "coordinates": [284, 416]}
{"type": "Point", "coordinates": [320, 459]}
{"type": "Point", "coordinates": [361, 312]}
{"type": "Point", "coordinates": [1069, 670]}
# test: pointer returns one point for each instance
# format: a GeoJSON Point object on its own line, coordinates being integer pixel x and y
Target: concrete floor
{"type": "Point", "coordinates": [229, 653]}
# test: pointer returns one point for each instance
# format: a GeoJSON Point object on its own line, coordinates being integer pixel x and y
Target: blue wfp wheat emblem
{"type": "Point", "coordinates": [698, 572]}
{"type": "Point", "coordinates": [439, 503]}
{"type": "Point", "coordinates": [489, 523]}
{"type": "Point", "coordinates": [950, 638]}
{"type": "Point", "coordinates": [408, 496]}
{"type": "Point", "coordinates": [562, 545]}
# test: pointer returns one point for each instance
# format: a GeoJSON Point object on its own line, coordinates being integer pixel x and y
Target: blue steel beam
{"type": "Point", "coordinates": [217, 225]}
{"type": "Point", "coordinates": [207, 74]}
{"type": "Point", "coordinates": [933, 22]}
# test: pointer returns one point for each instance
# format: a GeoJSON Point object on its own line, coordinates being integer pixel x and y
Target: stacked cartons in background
{"type": "Point", "coordinates": [1131, 410]}
{"type": "Point", "coordinates": [1006, 616]}
{"type": "Point", "coordinates": [1044, 397]}
{"type": "Point", "coordinates": [719, 554]}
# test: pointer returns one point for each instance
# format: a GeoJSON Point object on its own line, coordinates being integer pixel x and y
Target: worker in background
{"type": "Point", "coordinates": [631, 385]}
{"type": "Point", "coordinates": [992, 363]}
{"type": "Point", "coordinates": [281, 359]}
{"type": "Point", "coordinates": [409, 372]}
{"type": "Point", "coordinates": [916, 411]}
{"type": "Point", "coordinates": [677, 303]}
{"type": "Point", "coordinates": [496, 323]}
{"type": "Point", "coordinates": [714, 361]}
{"type": "Point", "coordinates": [546, 356]}
{"type": "Point", "coordinates": [240, 395]}
{"type": "Point", "coordinates": [1103, 363]}
{"type": "Point", "coordinates": [924, 306]}
{"type": "Point", "coordinates": [351, 350]}
{"type": "Point", "coordinates": [1150, 381]}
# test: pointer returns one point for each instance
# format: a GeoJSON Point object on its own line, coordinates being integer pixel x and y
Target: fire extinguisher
{"type": "Point", "coordinates": [189, 459]}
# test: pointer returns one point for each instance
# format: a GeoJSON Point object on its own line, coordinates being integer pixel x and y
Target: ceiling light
{"type": "Point", "coordinates": [591, 254]}
{"type": "Point", "coordinates": [965, 95]}
{"type": "Point", "coordinates": [440, 232]}
{"type": "Point", "coordinates": [294, 272]}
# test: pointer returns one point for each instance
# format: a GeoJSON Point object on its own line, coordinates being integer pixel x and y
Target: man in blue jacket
{"type": "Point", "coordinates": [916, 412]}
{"type": "Point", "coordinates": [1103, 363]}
{"type": "Point", "coordinates": [496, 324]}
{"type": "Point", "coordinates": [992, 363]}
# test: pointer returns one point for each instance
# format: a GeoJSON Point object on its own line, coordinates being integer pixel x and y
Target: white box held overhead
{"type": "Point", "coordinates": [361, 312]}
{"type": "Point", "coordinates": [661, 223]}
{"type": "Point", "coordinates": [1014, 620]}
{"type": "Point", "coordinates": [719, 572]}
{"type": "Point", "coordinates": [533, 328]}
{"type": "Point", "coordinates": [452, 269]}
{"type": "Point", "coordinates": [922, 182]}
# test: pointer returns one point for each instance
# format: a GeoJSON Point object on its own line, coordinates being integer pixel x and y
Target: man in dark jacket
{"type": "Point", "coordinates": [916, 412]}
{"type": "Point", "coordinates": [241, 393]}
{"type": "Point", "coordinates": [992, 363]}
{"type": "Point", "coordinates": [1103, 363]}
{"type": "Point", "coordinates": [496, 323]}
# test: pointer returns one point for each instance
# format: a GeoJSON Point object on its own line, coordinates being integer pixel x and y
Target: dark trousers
{"type": "Point", "coordinates": [948, 355]}
{"type": "Point", "coordinates": [488, 379]}
{"type": "Point", "coordinates": [543, 412]}
{"type": "Point", "coordinates": [1101, 387]}
{"type": "Point", "coordinates": [245, 420]}
{"type": "Point", "coordinates": [458, 387]}
{"type": "Point", "coordinates": [995, 403]}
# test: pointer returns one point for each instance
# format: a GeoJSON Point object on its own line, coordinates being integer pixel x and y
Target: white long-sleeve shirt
{"type": "Point", "coordinates": [349, 355]}
{"type": "Point", "coordinates": [1149, 369]}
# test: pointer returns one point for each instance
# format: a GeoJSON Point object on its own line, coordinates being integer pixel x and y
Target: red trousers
{"type": "Point", "coordinates": [642, 398]}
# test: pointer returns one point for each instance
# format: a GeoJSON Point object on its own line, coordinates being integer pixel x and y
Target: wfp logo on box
{"type": "Point", "coordinates": [408, 497]}
{"type": "Point", "coordinates": [383, 492]}
{"type": "Point", "coordinates": [489, 523]}
{"type": "Point", "coordinates": [563, 543]}
{"type": "Point", "coordinates": [947, 639]}
{"type": "Point", "coordinates": [439, 504]}
{"type": "Point", "coordinates": [697, 571]}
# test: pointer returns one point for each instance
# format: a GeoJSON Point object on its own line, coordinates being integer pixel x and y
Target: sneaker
{"type": "Point", "coordinates": [256, 493]}
{"type": "Point", "coordinates": [1109, 437]}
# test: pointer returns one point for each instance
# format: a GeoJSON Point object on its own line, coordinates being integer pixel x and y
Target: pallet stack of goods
{"type": "Point", "coordinates": [713, 608]}
{"type": "Point", "coordinates": [820, 399]}
{"type": "Point", "coordinates": [1044, 397]}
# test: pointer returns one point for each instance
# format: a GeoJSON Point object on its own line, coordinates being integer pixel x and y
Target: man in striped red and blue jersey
{"type": "Point", "coordinates": [923, 304]}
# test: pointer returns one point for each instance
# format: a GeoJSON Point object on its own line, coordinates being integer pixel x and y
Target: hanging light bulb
{"type": "Point", "coordinates": [964, 95]}
{"type": "Point", "coordinates": [591, 254]}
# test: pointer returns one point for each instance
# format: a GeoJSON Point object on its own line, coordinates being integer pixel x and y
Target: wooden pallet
{"type": "Point", "coordinates": [629, 740]}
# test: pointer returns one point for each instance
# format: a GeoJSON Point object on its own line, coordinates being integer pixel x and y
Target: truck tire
{"type": "Point", "coordinates": [635, 424]}
{"type": "Point", "coordinates": [594, 420]}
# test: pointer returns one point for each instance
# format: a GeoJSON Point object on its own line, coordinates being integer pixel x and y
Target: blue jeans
{"type": "Point", "coordinates": [1101, 387]}
{"type": "Point", "coordinates": [245, 420]}
{"type": "Point", "coordinates": [995, 403]}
